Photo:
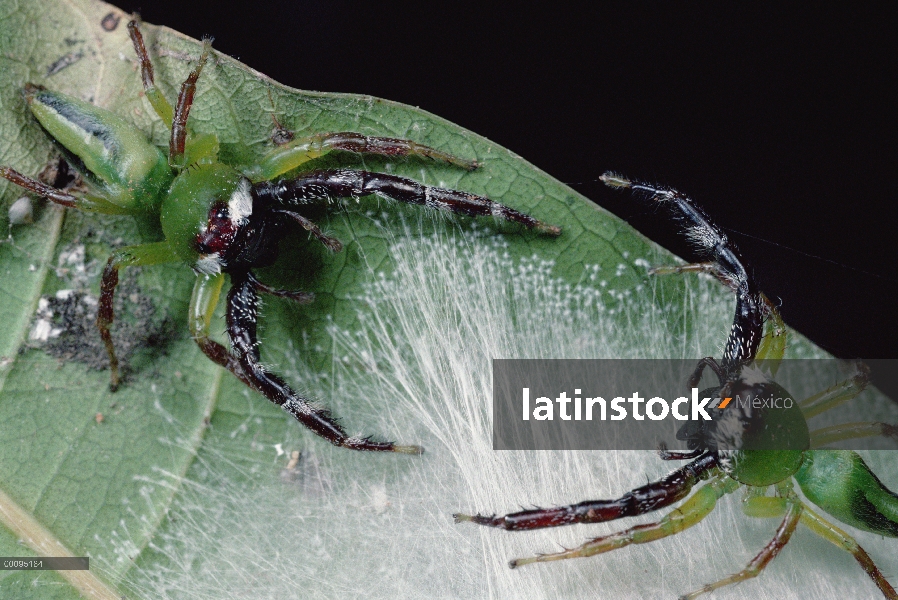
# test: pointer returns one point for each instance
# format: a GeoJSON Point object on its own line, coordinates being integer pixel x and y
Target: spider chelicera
{"type": "Point", "coordinates": [837, 481]}
{"type": "Point", "coordinates": [221, 219]}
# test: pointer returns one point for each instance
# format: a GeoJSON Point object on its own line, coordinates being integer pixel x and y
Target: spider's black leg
{"type": "Point", "coordinates": [384, 146]}
{"type": "Point", "coordinates": [342, 183]}
{"type": "Point", "coordinates": [178, 142]}
{"type": "Point", "coordinates": [154, 95]}
{"type": "Point", "coordinates": [205, 296]}
{"type": "Point", "coordinates": [665, 454]}
{"type": "Point", "coordinates": [748, 323]}
{"type": "Point", "coordinates": [689, 514]}
{"type": "Point", "coordinates": [650, 497]}
{"type": "Point", "coordinates": [296, 296]}
{"type": "Point", "coordinates": [87, 202]}
{"type": "Point", "coordinates": [154, 253]}
{"type": "Point", "coordinates": [696, 376]}
{"type": "Point", "coordinates": [242, 319]}
{"type": "Point", "coordinates": [333, 244]}
{"type": "Point", "coordinates": [296, 152]}
{"type": "Point", "coordinates": [206, 292]}
{"type": "Point", "coordinates": [706, 267]}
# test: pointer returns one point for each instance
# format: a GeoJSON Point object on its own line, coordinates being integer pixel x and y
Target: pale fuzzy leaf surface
{"type": "Point", "coordinates": [397, 343]}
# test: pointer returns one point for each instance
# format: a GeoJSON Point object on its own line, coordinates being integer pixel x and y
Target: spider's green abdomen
{"type": "Point", "coordinates": [841, 483]}
{"type": "Point", "coordinates": [187, 208]}
{"type": "Point", "coordinates": [113, 155]}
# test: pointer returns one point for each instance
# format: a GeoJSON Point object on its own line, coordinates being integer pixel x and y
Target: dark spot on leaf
{"type": "Point", "coordinates": [110, 22]}
{"type": "Point", "coordinates": [63, 62]}
{"type": "Point", "coordinates": [139, 324]}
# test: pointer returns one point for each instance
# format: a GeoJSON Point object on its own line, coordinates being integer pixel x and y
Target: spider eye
{"type": "Point", "coordinates": [224, 220]}
{"type": "Point", "coordinates": [218, 232]}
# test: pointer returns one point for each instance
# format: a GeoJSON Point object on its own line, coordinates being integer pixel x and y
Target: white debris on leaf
{"type": "Point", "coordinates": [72, 267]}
{"type": "Point", "coordinates": [43, 328]}
{"type": "Point", "coordinates": [21, 212]}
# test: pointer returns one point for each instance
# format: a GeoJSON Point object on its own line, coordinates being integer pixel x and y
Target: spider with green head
{"type": "Point", "coordinates": [222, 219]}
{"type": "Point", "coordinates": [745, 448]}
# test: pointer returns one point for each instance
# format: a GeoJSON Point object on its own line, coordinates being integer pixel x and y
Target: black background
{"type": "Point", "coordinates": [778, 121]}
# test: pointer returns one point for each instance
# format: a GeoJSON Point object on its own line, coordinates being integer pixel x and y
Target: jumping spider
{"type": "Point", "coordinates": [221, 219]}
{"type": "Point", "coordinates": [837, 481]}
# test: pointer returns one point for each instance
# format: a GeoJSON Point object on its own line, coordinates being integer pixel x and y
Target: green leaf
{"type": "Point", "coordinates": [178, 485]}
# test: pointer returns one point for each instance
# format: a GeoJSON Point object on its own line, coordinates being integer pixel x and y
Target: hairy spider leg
{"type": "Point", "coordinates": [296, 296]}
{"type": "Point", "coordinates": [131, 256]}
{"type": "Point", "coordinates": [709, 362]}
{"type": "Point", "coordinates": [837, 394]}
{"type": "Point", "coordinates": [665, 454]}
{"type": "Point", "coordinates": [333, 244]}
{"type": "Point", "coordinates": [709, 268]}
{"type": "Point", "coordinates": [746, 333]}
{"type": "Point", "coordinates": [852, 431]}
{"type": "Point", "coordinates": [87, 202]}
{"type": "Point", "coordinates": [787, 503]}
{"type": "Point", "coordinates": [242, 317]}
{"type": "Point", "coordinates": [773, 346]}
{"type": "Point", "coordinates": [320, 186]}
{"type": "Point", "coordinates": [182, 149]}
{"type": "Point", "coordinates": [154, 95]}
{"type": "Point", "coordinates": [671, 488]}
{"type": "Point", "coordinates": [206, 292]}
{"type": "Point", "coordinates": [159, 252]}
{"type": "Point", "coordinates": [177, 143]}
{"type": "Point", "coordinates": [281, 135]}
{"type": "Point", "coordinates": [768, 553]}
{"type": "Point", "coordinates": [833, 534]}
{"type": "Point", "coordinates": [295, 153]}
{"type": "Point", "coordinates": [692, 512]}
{"type": "Point", "coordinates": [760, 506]}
